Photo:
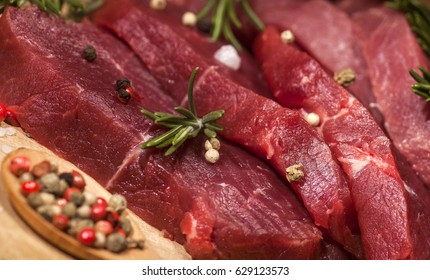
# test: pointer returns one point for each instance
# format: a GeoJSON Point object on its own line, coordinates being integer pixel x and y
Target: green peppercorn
{"type": "Point", "coordinates": [49, 211]}
{"type": "Point", "coordinates": [69, 209]}
{"type": "Point", "coordinates": [77, 198]}
{"type": "Point", "coordinates": [118, 203]}
{"type": "Point", "coordinates": [76, 225]}
{"type": "Point", "coordinates": [116, 242]}
{"type": "Point", "coordinates": [34, 200]}
{"type": "Point", "coordinates": [50, 182]}
{"type": "Point", "coordinates": [62, 186]}
{"type": "Point", "coordinates": [125, 224]}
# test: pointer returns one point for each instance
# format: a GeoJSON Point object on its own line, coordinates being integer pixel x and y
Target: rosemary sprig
{"type": "Point", "coordinates": [183, 126]}
{"type": "Point", "coordinates": [422, 87]}
{"type": "Point", "coordinates": [224, 16]}
{"type": "Point", "coordinates": [69, 9]}
{"type": "Point", "coordinates": [418, 16]}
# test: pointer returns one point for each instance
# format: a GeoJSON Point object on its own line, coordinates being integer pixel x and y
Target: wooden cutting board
{"type": "Point", "coordinates": [19, 241]}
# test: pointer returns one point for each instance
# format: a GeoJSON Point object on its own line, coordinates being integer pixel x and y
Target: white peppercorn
{"type": "Point", "coordinates": [212, 155]}
{"type": "Point", "coordinates": [84, 211]}
{"type": "Point", "coordinates": [100, 240]}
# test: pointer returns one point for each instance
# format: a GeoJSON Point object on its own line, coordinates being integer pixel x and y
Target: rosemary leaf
{"type": "Point", "coordinates": [149, 114]}
{"type": "Point", "coordinates": [191, 91]}
{"type": "Point", "coordinates": [171, 119]}
{"type": "Point", "coordinates": [422, 87]}
{"type": "Point", "coordinates": [182, 135]}
{"type": "Point", "coordinates": [209, 133]}
{"type": "Point", "coordinates": [250, 13]}
{"type": "Point", "coordinates": [163, 137]}
{"type": "Point", "coordinates": [206, 9]}
{"type": "Point", "coordinates": [220, 15]}
{"type": "Point", "coordinates": [166, 143]}
{"type": "Point", "coordinates": [417, 77]}
{"type": "Point", "coordinates": [418, 16]}
{"type": "Point", "coordinates": [185, 112]}
{"type": "Point", "coordinates": [224, 16]}
{"type": "Point", "coordinates": [232, 15]}
{"type": "Point", "coordinates": [173, 148]}
{"type": "Point", "coordinates": [426, 74]}
{"type": "Point", "coordinates": [229, 35]}
{"type": "Point", "coordinates": [213, 126]}
{"type": "Point", "coordinates": [213, 116]}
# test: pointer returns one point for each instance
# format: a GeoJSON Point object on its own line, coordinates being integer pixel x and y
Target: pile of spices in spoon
{"type": "Point", "coordinates": [63, 200]}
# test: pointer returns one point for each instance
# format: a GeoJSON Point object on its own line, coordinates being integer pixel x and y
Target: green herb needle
{"type": "Point", "coordinates": [418, 16]}
{"type": "Point", "coordinates": [422, 87]}
{"type": "Point", "coordinates": [224, 16]}
{"type": "Point", "coordinates": [183, 126]}
{"type": "Point", "coordinates": [70, 9]}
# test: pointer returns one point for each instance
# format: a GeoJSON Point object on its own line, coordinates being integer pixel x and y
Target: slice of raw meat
{"type": "Point", "coordinates": [237, 208]}
{"type": "Point", "coordinates": [233, 209]}
{"type": "Point", "coordinates": [352, 6]}
{"type": "Point", "coordinates": [298, 81]}
{"type": "Point", "coordinates": [276, 134]}
{"type": "Point", "coordinates": [326, 33]}
{"type": "Point", "coordinates": [419, 205]}
{"type": "Point", "coordinates": [407, 116]}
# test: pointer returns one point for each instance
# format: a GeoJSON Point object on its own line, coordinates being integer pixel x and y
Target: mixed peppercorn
{"type": "Point", "coordinates": [63, 200]}
{"type": "Point", "coordinates": [8, 116]}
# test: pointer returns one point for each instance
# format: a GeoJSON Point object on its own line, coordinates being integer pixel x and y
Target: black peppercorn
{"type": "Point", "coordinates": [68, 177]}
{"type": "Point", "coordinates": [122, 83]}
{"type": "Point", "coordinates": [123, 95]}
{"type": "Point", "coordinates": [90, 53]}
{"type": "Point", "coordinates": [204, 26]}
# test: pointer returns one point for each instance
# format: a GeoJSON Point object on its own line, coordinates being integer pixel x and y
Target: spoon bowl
{"type": "Point", "coordinates": [52, 234]}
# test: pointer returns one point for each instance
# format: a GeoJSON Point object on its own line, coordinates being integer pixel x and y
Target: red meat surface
{"type": "Point", "coordinates": [237, 208]}
{"type": "Point", "coordinates": [406, 114]}
{"type": "Point", "coordinates": [327, 33]}
{"type": "Point", "coordinates": [378, 192]}
{"type": "Point", "coordinates": [276, 134]}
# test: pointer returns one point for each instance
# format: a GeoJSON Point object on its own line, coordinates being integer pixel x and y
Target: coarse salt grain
{"type": "Point", "coordinates": [228, 56]}
{"type": "Point", "coordinates": [6, 149]}
{"type": "Point", "coordinates": [2, 131]}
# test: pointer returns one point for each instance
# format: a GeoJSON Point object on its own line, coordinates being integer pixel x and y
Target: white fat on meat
{"type": "Point", "coordinates": [356, 165]}
{"type": "Point", "coordinates": [193, 232]}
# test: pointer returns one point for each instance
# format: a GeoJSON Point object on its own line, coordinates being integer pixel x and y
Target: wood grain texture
{"type": "Point", "coordinates": [19, 241]}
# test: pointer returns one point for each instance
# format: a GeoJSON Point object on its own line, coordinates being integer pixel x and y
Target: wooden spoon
{"type": "Point", "coordinates": [47, 230]}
